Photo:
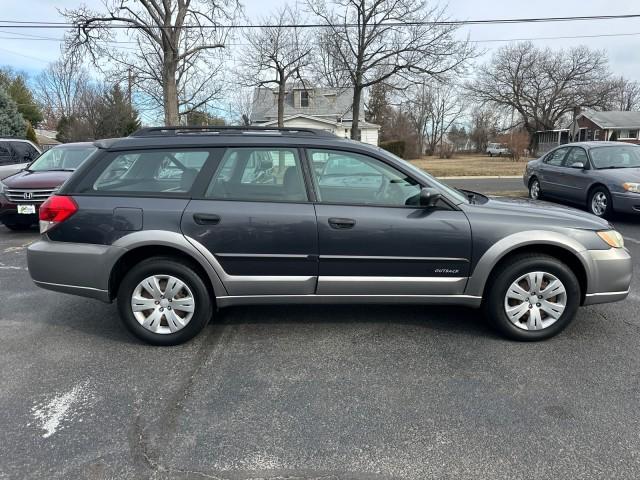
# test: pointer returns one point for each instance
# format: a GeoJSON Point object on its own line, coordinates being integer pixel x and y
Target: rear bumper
{"type": "Point", "coordinates": [626, 202]}
{"type": "Point", "coordinates": [75, 268]}
{"type": "Point", "coordinates": [609, 275]}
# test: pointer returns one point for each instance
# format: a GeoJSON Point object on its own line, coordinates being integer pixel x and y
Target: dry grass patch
{"type": "Point", "coordinates": [471, 165]}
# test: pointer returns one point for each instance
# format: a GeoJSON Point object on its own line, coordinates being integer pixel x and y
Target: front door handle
{"type": "Point", "coordinates": [341, 223]}
{"type": "Point", "coordinates": [206, 218]}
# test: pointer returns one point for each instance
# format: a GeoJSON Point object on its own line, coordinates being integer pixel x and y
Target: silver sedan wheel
{"type": "Point", "coordinates": [162, 304]}
{"type": "Point", "coordinates": [535, 301]}
{"type": "Point", "coordinates": [599, 203]}
{"type": "Point", "coordinates": [534, 190]}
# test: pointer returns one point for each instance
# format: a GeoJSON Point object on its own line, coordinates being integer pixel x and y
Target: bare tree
{"type": "Point", "coordinates": [433, 108]}
{"type": "Point", "coordinates": [378, 41]}
{"type": "Point", "coordinates": [328, 68]}
{"type": "Point", "coordinates": [59, 87]}
{"type": "Point", "coordinates": [171, 62]}
{"type": "Point", "coordinates": [241, 106]}
{"type": "Point", "coordinates": [484, 127]}
{"type": "Point", "coordinates": [276, 53]}
{"type": "Point", "coordinates": [625, 95]}
{"type": "Point", "coordinates": [542, 85]}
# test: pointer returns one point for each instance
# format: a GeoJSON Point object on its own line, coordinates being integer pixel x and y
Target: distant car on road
{"type": "Point", "coordinates": [16, 154]}
{"type": "Point", "coordinates": [497, 149]}
{"type": "Point", "coordinates": [604, 176]}
{"type": "Point", "coordinates": [22, 193]}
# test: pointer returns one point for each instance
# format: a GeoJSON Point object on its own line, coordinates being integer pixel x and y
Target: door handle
{"type": "Point", "coordinates": [206, 218]}
{"type": "Point", "coordinates": [341, 223]}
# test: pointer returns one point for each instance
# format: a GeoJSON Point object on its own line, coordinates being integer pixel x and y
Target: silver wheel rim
{"type": "Point", "coordinates": [599, 203]}
{"type": "Point", "coordinates": [535, 301]}
{"type": "Point", "coordinates": [162, 304]}
{"type": "Point", "coordinates": [535, 190]}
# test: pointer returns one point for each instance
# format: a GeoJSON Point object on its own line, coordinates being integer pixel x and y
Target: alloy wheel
{"type": "Point", "coordinates": [534, 191]}
{"type": "Point", "coordinates": [599, 203]}
{"type": "Point", "coordinates": [162, 304]}
{"type": "Point", "coordinates": [535, 301]}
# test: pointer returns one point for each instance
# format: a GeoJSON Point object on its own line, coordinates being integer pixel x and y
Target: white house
{"type": "Point", "coordinates": [323, 108]}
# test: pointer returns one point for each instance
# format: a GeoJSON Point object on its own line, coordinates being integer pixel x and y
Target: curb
{"type": "Point", "coordinates": [482, 177]}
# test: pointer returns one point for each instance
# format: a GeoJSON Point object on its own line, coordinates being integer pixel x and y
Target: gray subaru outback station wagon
{"type": "Point", "coordinates": [175, 222]}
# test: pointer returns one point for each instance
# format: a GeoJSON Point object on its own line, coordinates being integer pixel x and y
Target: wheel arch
{"type": "Point", "coordinates": [553, 244]}
{"type": "Point", "coordinates": [592, 187]}
{"type": "Point", "coordinates": [146, 244]}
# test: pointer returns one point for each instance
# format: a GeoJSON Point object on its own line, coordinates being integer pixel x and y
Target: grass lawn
{"type": "Point", "coordinates": [469, 164]}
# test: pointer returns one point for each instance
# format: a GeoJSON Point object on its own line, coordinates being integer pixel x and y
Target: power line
{"type": "Point", "coordinates": [16, 24]}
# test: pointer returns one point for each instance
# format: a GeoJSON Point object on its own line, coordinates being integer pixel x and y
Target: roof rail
{"type": "Point", "coordinates": [227, 130]}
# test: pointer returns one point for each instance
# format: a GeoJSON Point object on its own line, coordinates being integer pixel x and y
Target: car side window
{"type": "Point", "coordinates": [576, 155]}
{"type": "Point", "coordinates": [25, 152]}
{"type": "Point", "coordinates": [6, 154]}
{"type": "Point", "coordinates": [352, 178]}
{"type": "Point", "coordinates": [556, 157]}
{"type": "Point", "coordinates": [152, 171]}
{"type": "Point", "coordinates": [259, 174]}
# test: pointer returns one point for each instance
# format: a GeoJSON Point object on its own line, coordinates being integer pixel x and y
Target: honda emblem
{"type": "Point", "coordinates": [28, 195]}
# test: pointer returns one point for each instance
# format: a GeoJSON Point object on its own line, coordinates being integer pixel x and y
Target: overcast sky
{"type": "Point", "coordinates": [624, 51]}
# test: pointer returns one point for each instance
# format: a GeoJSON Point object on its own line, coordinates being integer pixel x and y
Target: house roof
{"type": "Point", "coordinates": [332, 103]}
{"type": "Point", "coordinates": [614, 119]}
{"type": "Point", "coordinates": [347, 124]}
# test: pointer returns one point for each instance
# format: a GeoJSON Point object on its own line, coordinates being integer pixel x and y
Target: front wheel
{"type": "Point", "coordinates": [535, 192]}
{"type": "Point", "coordinates": [533, 297]}
{"type": "Point", "coordinates": [600, 202]}
{"type": "Point", "coordinates": [164, 302]}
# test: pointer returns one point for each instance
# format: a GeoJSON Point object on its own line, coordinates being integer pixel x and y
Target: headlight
{"type": "Point", "coordinates": [631, 187]}
{"type": "Point", "coordinates": [612, 238]}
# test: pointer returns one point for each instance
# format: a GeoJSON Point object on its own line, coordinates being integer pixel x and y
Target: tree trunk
{"type": "Point", "coordinates": [170, 91]}
{"type": "Point", "coordinates": [355, 124]}
{"type": "Point", "coordinates": [281, 93]}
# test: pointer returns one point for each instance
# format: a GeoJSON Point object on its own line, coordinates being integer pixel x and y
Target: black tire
{"type": "Point", "coordinates": [606, 213]}
{"type": "Point", "coordinates": [531, 195]}
{"type": "Point", "coordinates": [490, 154]}
{"type": "Point", "coordinates": [507, 274]}
{"type": "Point", "coordinates": [203, 309]}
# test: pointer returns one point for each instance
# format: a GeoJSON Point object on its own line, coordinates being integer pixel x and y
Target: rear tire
{"type": "Point", "coordinates": [532, 297]}
{"type": "Point", "coordinates": [599, 202]}
{"type": "Point", "coordinates": [178, 301]}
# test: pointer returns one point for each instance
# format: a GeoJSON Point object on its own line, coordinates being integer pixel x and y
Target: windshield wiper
{"type": "Point", "coordinates": [57, 170]}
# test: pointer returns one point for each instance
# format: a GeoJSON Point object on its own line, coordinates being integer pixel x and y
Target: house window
{"type": "Point", "coordinates": [623, 134]}
{"type": "Point", "coordinates": [304, 98]}
{"type": "Point", "coordinates": [596, 134]}
{"type": "Point", "coordinates": [633, 134]}
{"type": "Point", "coordinates": [589, 135]}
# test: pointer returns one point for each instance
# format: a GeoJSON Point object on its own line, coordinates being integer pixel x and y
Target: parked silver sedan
{"type": "Point", "coordinates": [604, 176]}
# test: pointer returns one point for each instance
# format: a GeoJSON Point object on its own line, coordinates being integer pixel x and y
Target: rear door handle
{"type": "Point", "coordinates": [341, 223]}
{"type": "Point", "coordinates": [206, 218]}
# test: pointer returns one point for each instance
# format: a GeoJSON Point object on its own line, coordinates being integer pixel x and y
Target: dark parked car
{"type": "Point", "coordinates": [16, 154]}
{"type": "Point", "coordinates": [174, 223]}
{"type": "Point", "coordinates": [22, 193]}
{"type": "Point", "coordinates": [604, 176]}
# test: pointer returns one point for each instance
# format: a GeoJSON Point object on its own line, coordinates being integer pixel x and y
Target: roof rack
{"type": "Point", "coordinates": [227, 130]}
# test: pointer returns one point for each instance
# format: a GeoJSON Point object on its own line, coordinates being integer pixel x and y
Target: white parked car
{"type": "Point", "coordinates": [15, 155]}
{"type": "Point", "coordinates": [497, 149]}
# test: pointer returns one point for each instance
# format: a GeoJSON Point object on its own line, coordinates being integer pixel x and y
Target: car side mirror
{"type": "Point", "coordinates": [429, 197]}
{"type": "Point", "coordinates": [578, 165]}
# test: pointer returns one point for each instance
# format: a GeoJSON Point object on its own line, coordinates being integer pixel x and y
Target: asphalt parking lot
{"type": "Point", "coordinates": [316, 393]}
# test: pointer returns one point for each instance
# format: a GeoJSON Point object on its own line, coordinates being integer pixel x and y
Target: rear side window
{"type": "Point", "coordinates": [259, 174]}
{"type": "Point", "coordinates": [152, 171]}
{"type": "Point", "coordinates": [25, 152]}
{"type": "Point", "coordinates": [6, 154]}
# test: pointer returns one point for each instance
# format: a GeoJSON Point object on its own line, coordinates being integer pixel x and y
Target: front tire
{"type": "Point", "coordinates": [600, 203]}
{"type": "Point", "coordinates": [163, 301]}
{"type": "Point", "coordinates": [535, 192]}
{"type": "Point", "coordinates": [532, 297]}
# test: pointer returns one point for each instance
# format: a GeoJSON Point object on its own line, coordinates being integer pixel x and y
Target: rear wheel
{"type": "Point", "coordinates": [164, 302]}
{"type": "Point", "coordinates": [533, 297]}
{"type": "Point", "coordinates": [600, 202]}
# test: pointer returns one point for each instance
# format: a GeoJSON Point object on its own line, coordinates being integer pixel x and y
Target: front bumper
{"type": "Point", "coordinates": [9, 212]}
{"type": "Point", "coordinates": [609, 274]}
{"type": "Point", "coordinates": [626, 202]}
{"type": "Point", "coordinates": [76, 268]}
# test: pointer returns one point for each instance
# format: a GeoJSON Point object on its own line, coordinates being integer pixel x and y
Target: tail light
{"type": "Point", "coordinates": [54, 210]}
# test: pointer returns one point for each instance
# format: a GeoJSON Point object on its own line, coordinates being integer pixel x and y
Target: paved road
{"type": "Point", "coordinates": [314, 393]}
{"type": "Point", "coordinates": [490, 185]}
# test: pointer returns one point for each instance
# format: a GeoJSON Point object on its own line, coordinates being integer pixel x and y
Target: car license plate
{"type": "Point", "coordinates": [27, 209]}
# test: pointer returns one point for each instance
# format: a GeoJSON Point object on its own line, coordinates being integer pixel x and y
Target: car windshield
{"type": "Point", "coordinates": [619, 156]}
{"type": "Point", "coordinates": [62, 158]}
{"type": "Point", "coordinates": [453, 193]}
